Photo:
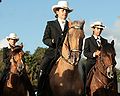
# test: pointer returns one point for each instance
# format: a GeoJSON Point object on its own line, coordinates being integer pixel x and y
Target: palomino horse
{"type": "Point", "coordinates": [65, 79]}
{"type": "Point", "coordinates": [104, 82]}
{"type": "Point", "coordinates": [13, 85]}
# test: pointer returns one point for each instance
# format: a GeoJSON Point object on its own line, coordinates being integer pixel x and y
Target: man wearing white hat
{"type": "Point", "coordinates": [12, 40]}
{"type": "Point", "coordinates": [93, 44]}
{"type": "Point", "coordinates": [54, 35]}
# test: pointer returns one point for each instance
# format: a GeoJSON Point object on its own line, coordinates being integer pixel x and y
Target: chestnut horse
{"type": "Point", "coordinates": [65, 79]}
{"type": "Point", "coordinates": [13, 85]}
{"type": "Point", "coordinates": [104, 82]}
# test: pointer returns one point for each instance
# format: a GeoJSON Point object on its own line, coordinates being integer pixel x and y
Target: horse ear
{"type": "Point", "coordinates": [82, 24]}
{"type": "Point", "coordinates": [69, 23]}
{"type": "Point", "coordinates": [112, 42]}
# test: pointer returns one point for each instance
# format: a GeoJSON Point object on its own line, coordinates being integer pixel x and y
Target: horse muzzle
{"type": "Point", "coordinates": [20, 67]}
{"type": "Point", "coordinates": [110, 73]}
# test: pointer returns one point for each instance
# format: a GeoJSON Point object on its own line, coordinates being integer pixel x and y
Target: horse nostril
{"type": "Point", "coordinates": [20, 67]}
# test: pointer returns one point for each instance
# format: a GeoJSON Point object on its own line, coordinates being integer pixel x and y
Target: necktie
{"type": "Point", "coordinates": [98, 42]}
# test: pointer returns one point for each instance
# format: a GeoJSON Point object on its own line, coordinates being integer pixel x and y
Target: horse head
{"type": "Point", "coordinates": [16, 59]}
{"type": "Point", "coordinates": [73, 42]}
{"type": "Point", "coordinates": [107, 59]}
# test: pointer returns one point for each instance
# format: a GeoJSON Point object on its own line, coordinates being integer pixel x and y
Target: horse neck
{"type": "Point", "coordinates": [65, 49]}
{"type": "Point", "coordinates": [100, 69]}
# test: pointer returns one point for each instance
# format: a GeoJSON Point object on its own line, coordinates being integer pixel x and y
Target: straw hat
{"type": "Point", "coordinates": [63, 5]}
{"type": "Point", "coordinates": [12, 36]}
{"type": "Point", "coordinates": [97, 24]}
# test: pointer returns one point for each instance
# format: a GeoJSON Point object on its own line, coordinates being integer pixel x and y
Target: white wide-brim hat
{"type": "Point", "coordinates": [12, 36]}
{"type": "Point", "coordinates": [97, 24]}
{"type": "Point", "coordinates": [63, 5]}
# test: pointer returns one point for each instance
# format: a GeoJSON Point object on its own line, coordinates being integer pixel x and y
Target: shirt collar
{"type": "Point", "coordinates": [61, 21]}
{"type": "Point", "coordinates": [96, 37]}
{"type": "Point", "coordinates": [9, 47]}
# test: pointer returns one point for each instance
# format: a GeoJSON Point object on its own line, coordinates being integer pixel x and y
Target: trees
{"type": "Point", "coordinates": [32, 62]}
{"type": "Point", "coordinates": [1, 63]}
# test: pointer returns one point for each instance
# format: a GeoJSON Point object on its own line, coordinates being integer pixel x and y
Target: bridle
{"type": "Point", "coordinates": [74, 51]}
{"type": "Point", "coordinates": [19, 64]}
{"type": "Point", "coordinates": [101, 62]}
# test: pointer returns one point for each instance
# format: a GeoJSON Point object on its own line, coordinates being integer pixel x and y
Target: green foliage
{"type": "Point", "coordinates": [38, 54]}
{"type": "Point", "coordinates": [118, 75]}
{"type": "Point", "coordinates": [1, 63]}
{"type": "Point", "coordinates": [33, 62]}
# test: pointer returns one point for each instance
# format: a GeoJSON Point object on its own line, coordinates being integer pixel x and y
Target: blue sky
{"type": "Point", "coordinates": [28, 19]}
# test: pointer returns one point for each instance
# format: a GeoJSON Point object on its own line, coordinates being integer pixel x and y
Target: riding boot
{"type": "Point", "coordinates": [41, 83]}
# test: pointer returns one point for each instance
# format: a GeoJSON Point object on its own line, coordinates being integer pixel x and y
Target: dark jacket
{"type": "Point", "coordinates": [6, 58]}
{"type": "Point", "coordinates": [90, 47]}
{"type": "Point", "coordinates": [54, 32]}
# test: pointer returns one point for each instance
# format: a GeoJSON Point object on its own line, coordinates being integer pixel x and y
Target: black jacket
{"type": "Point", "coordinates": [54, 32]}
{"type": "Point", "coordinates": [90, 47]}
{"type": "Point", "coordinates": [6, 57]}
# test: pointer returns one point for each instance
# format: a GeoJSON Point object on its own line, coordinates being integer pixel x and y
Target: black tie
{"type": "Point", "coordinates": [98, 42]}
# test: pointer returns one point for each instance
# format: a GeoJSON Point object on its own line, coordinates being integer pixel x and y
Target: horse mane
{"type": "Point", "coordinates": [108, 48]}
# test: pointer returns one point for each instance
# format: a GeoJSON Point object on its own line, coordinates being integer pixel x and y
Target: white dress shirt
{"type": "Point", "coordinates": [62, 23]}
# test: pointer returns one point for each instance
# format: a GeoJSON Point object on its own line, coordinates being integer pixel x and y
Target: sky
{"type": "Point", "coordinates": [28, 18]}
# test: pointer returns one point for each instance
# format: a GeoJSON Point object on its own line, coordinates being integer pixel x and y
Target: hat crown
{"type": "Point", "coordinates": [63, 3]}
{"type": "Point", "coordinates": [97, 24]}
{"type": "Point", "coordinates": [13, 36]}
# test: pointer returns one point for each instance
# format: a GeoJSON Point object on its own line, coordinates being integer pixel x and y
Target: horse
{"type": "Point", "coordinates": [65, 79]}
{"type": "Point", "coordinates": [103, 81]}
{"type": "Point", "coordinates": [14, 85]}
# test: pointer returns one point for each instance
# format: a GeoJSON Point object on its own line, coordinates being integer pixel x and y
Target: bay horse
{"type": "Point", "coordinates": [104, 82]}
{"type": "Point", "coordinates": [65, 79]}
{"type": "Point", "coordinates": [14, 85]}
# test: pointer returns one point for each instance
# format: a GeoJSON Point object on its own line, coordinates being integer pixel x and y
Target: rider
{"type": "Point", "coordinates": [12, 40]}
{"type": "Point", "coordinates": [54, 35]}
{"type": "Point", "coordinates": [92, 46]}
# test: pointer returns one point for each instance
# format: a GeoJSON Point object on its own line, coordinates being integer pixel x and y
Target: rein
{"type": "Point", "coordinates": [106, 86]}
{"type": "Point", "coordinates": [70, 51]}
{"type": "Point", "coordinates": [67, 60]}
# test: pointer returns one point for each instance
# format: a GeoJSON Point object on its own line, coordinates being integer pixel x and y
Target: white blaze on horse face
{"type": "Point", "coordinates": [110, 72]}
{"type": "Point", "coordinates": [61, 84]}
{"type": "Point", "coordinates": [20, 66]}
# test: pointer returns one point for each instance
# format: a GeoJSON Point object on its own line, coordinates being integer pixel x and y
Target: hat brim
{"type": "Point", "coordinates": [55, 7]}
{"type": "Point", "coordinates": [98, 26]}
{"type": "Point", "coordinates": [12, 38]}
